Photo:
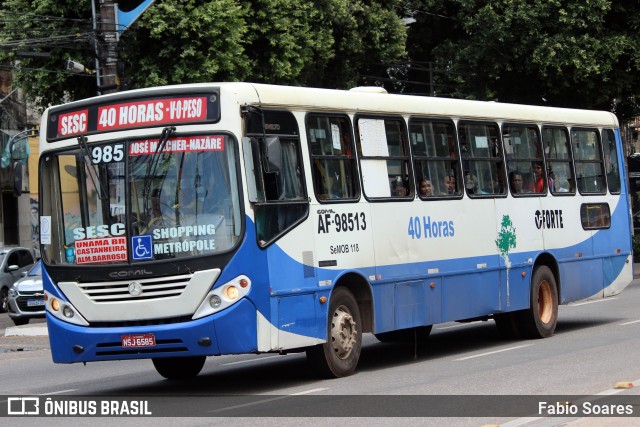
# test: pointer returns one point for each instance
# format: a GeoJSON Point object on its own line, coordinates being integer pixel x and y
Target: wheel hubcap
{"type": "Point", "coordinates": [545, 302]}
{"type": "Point", "coordinates": [343, 332]}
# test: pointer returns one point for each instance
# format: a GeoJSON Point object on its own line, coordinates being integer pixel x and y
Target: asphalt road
{"type": "Point", "coordinates": [596, 348]}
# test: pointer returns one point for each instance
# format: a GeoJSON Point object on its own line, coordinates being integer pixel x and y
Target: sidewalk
{"type": "Point", "coordinates": [34, 330]}
{"type": "Point", "coordinates": [24, 338]}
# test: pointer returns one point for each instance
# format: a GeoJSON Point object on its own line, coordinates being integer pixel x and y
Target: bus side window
{"type": "Point", "coordinates": [482, 158]}
{"type": "Point", "coordinates": [281, 196]}
{"type": "Point", "coordinates": [524, 158]}
{"type": "Point", "coordinates": [385, 161]}
{"type": "Point", "coordinates": [333, 163]}
{"type": "Point", "coordinates": [435, 157]}
{"type": "Point", "coordinates": [588, 161]}
{"type": "Point", "coordinates": [611, 160]}
{"type": "Point", "coordinates": [557, 150]}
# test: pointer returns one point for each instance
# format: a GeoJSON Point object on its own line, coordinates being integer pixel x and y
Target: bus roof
{"type": "Point", "coordinates": [370, 101]}
{"type": "Point", "coordinates": [376, 102]}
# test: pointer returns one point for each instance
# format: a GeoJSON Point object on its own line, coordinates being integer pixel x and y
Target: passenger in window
{"type": "Point", "coordinates": [551, 179]}
{"type": "Point", "coordinates": [472, 185]}
{"type": "Point", "coordinates": [398, 188]}
{"type": "Point", "coordinates": [515, 179]}
{"type": "Point", "coordinates": [538, 183]}
{"type": "Point", "coordinates": [425, 188]}
{"type": "Point", "coordinates": [449, 185]}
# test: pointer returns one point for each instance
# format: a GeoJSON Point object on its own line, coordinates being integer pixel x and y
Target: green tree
{"type": "Point", "coordinates": [328, 43]}
{"type": "Point", "coordinates": [60, 29]}
{"type": "Point", "coordinates": [544, 52]}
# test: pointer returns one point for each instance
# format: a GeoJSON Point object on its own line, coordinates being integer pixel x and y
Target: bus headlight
{"type": "Point", "coordinates": [223, 296]}
{"type": "Point", "coordinates": [232, 293]}
{"type": "Point", "coordinates": [215, 301]}
{"type": "Point", "coordinates": [67, 311]}
{"type": "Point", "coordinates": [63, 310]}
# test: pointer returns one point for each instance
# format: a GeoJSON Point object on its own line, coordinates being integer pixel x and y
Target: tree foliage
{"type": "Point", "coordinates": [568, 53]}
{"type": "Point", "coordinates": [546, 52]}
{"type": "Point", "coordinates": [328, 43]}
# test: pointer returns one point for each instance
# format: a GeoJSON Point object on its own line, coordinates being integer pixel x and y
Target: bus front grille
{"type": "Point", "coordinates": [143, 289]}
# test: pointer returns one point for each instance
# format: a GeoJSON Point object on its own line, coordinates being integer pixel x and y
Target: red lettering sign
{"type": "Point", "coordinates": [151, 113]}
{"type": "Point", "coordinates": [107, 249]}
{"type": "Point", "coordinates": [74, 123]}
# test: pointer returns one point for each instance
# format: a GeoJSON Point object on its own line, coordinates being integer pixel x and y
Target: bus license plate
{"type": "Point", "coordinates": [138, 340]}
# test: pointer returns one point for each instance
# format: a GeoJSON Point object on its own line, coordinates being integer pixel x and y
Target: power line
{"type": "Point", "coordinates": [20, 68]}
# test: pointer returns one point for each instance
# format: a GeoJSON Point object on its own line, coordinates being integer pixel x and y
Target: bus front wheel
{"type": "Point", "coordinates": [540, 320]}
{"type": "Point", "coordinates": [338, 357]}
{"type": "Point", "coordinates": [179, 368]}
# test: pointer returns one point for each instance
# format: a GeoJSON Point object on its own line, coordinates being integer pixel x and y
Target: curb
{"type": "Point", "coordinates": [26, 331]}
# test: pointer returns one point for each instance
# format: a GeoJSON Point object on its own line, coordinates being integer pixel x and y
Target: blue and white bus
{"type": "Point", "coordinates": [188, 221]}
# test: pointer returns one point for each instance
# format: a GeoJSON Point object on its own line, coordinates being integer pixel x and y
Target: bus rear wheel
{"type": "Point", "coordinates": [179, 368]}
{"type": "Point", "coordinates": [339, 356]}
{"type": "Point", "coordinates": [540, 320]}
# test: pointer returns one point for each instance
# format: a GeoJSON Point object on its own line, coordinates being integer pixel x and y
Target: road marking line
{"type": "Point", "coordinates": [313, 390]}
{"type": "Point", "coordinates": [252, 360]}
{"type": "Point", "coordinates": [58, 392]}
{"type": "Point", "coordinates": [591, 302]}
{"type": "Point", "coordinates": [260, 402]}
{"type": "Point", "coordinates": [629, 323]}
{"type": "Point", "coordinates": [493, 352]}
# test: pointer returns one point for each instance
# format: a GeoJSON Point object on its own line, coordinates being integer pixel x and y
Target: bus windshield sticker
{"type": "Point", "coordinates": [101, 250]}
{"type": "Point", "coordinates": [178, 145]}
{"type": "Point", "coordinates": [191, 238]}
{"type": "Point", "coordinates": [141, 247]}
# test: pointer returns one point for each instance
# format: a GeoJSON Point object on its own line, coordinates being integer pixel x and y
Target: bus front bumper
{"type": "Point", "coordinates": [231, 331]}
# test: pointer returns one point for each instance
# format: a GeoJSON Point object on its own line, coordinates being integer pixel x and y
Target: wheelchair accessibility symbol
{"type": "Point", "coordinates": [142, 247]}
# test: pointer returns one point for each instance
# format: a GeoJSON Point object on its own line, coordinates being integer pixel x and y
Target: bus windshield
{"type": "Point", "coordinates": [139, 200]}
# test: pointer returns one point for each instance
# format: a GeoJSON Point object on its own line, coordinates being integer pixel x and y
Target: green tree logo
{"type": "Point", "coordinates": [505, 242]}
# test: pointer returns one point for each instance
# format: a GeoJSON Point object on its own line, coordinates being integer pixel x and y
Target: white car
{"type": "Point", "coordinates": [14, 261]}
{"type": "Point", "coordinates": [26, 297]}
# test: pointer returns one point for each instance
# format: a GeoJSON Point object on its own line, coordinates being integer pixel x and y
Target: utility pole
{"type": "Point", "coordinates": [106, 46]}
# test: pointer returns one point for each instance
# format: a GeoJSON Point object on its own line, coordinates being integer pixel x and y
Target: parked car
{"type": "Point", "coordinates": [26, 297]}
{"type": "Point", "coordinates": [13, 262]}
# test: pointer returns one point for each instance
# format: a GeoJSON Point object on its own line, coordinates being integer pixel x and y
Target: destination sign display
{"type": "Point", "coordinates": [133, 114]}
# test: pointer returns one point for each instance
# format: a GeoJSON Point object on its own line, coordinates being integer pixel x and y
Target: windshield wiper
{"type": "Point", "coordinates": [153, 164]}
{"type": "Point", "coordinates": [95, 179]}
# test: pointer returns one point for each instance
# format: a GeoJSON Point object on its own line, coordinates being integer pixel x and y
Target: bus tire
{"type": "Point", "coordinates": [420, 333]}
{"type": "Point", "coordinates": [540, 320]}
{"type": "Point", "coordinates": [338, 357]}
{"type": "Point", "coordinates": [179, 368]}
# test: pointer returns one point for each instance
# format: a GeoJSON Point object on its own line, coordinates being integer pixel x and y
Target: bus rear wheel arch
{"type": "Point", "coordinates": [339, 355]}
